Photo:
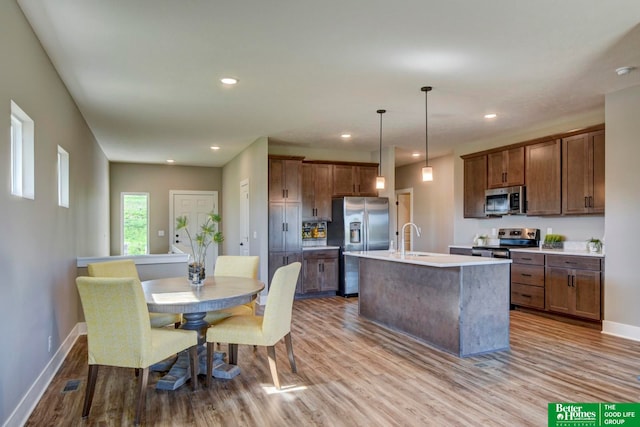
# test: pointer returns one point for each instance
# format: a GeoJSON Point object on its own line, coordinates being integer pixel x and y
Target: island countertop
{"type": "Point", "coordinates": [429, 258]}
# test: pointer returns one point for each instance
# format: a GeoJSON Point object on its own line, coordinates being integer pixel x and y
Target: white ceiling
{"type": "Point", "coordinates": [145, 73]}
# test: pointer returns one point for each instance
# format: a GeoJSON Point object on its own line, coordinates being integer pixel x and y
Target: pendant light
{"type": "Point", "coordinates": [427, 171]}
{"type": "Point", "coordinates": [380, 178]}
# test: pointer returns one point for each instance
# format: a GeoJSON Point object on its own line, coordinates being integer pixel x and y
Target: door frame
{"type": "Point", "coordinates": [399, 227]}
{"type": "Point", "coordinates": [245, 216]}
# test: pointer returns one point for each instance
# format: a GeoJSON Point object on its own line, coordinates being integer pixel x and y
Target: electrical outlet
{"type": "Point", "coordinates": [49, 345]}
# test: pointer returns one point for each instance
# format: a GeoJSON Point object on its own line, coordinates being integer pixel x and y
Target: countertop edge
{"type": "Point", "coordinates": [433, 259]}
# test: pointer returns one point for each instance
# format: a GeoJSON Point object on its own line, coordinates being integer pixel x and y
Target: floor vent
{"type": "Point", "coordinates": [71, 385]}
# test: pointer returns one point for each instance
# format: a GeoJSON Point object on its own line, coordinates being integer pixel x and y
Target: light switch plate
{"type": "Point", "coordinates": [160, 233]}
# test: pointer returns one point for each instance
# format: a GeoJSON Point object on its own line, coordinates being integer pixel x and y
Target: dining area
{"type": "Point", "coordinates": [173, 330]}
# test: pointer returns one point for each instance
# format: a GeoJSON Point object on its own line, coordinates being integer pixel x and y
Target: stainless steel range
{"type": "Point", "coordinates": [510, 238]}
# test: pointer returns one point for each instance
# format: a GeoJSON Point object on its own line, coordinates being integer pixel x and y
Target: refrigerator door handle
{"type": "Point", "coordinates": [365, 230]}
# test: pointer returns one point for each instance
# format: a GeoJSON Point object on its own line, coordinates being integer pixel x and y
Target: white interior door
{"type": "Point", "coordinates": [196, 206]}
{"type": "Point", "coordinates": [245, 229]}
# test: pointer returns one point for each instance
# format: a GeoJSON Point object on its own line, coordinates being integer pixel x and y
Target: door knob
{"type": "Point", "coordinates": [241, 244]}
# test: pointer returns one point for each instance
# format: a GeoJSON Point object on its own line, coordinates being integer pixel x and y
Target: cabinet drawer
{"type": "Point", "coordinates": [527, 258]}
{"type": "Point", "coordinates": [578, 262]}
{"type": "Point", "coordinates": [527, 274]}
{"type": "Point", "coordinates": [529, 296]}
{"type": "Point", "coordinates": [320, 254]}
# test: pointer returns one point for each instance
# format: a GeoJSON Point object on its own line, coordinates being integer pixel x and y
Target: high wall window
{"type": "Point", "coordinates": [63, 178]}
{"type": "Point", "coordinates": [22, 154]}
{"type": "Point", "coordinates": [135, 223]}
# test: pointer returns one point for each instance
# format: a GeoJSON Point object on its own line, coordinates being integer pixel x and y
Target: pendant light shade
{"type": "Point", "coordinates": [380, 178]}
{"type": "Point", "coordinates": [427, 171]}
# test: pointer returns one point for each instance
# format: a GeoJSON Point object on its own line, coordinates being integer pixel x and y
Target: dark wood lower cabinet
{"type": "Point", "coordinates": [320, 271]}
{"type": "Point", "coordinates": [574, 289]}
{"type": "Point", "coordinates": [560, 284]}
{"type": "Point", "coordinates": [279, 259]}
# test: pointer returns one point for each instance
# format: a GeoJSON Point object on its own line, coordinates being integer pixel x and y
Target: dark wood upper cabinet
{"type": "Point", "coordinates": [350, 180]}
{"type": "Point", "coordinates": [583, 173]}
{"type": "Point", "coordinates": [505, 168]}
{"type": "Point", "coordinates": [285, 180]}
{"type": "Point", "coordinates": [475, 184]}
{"type": "Point", "coordinates": [317, 189]}
{"type": "Point", "coordinates": [542, 178]}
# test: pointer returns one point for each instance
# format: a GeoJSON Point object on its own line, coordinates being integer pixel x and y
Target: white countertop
{"type": "Point", "coordinates": [429, 259]}
{"type": "Point", "coordinates": [567, 251]}
{"type": "Point", "coordinates": [559, 252]}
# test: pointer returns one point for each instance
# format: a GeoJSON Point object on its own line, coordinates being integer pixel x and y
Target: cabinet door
{"type": "Point", "coordinates": [495, 170]}
{"type": "Point", "coordinates": [575, 174]}
{"type": "Point", "coordinates": [329, 278]}
{"type": "Point", "coordinates": [277, 227]}
{"type": "Point", "coordinates": [557, 290]}
{"type": "Point", "coordinates": [514, 167]}
{"type": "Point", "coordinates": [542, 179]}
{"type": "Point", "coordinates": [323, 191]}
{"type": "Point", "coordinates": [279, 259]}
{"type": "Point", "coordinates": [311, 272]}
{"type": "Point", "coordinates": [505, 168]}
{"type": "Point", "coordinates": [308, 192]}
{"type": "Point", "coordinates": [366, 185]}
{"type": "Point", "coordinates": [343, 180]}
{"type": "Point", "coordinates": [284, 180]}
{"type": "Point", "coordinates": [475, 183]}
{"type": "Point", "coordinates": [597, 141]}
{"type": "Point", "coordinates": [587, 290]}
{"type": "Point", "coordinates": [293, 227]}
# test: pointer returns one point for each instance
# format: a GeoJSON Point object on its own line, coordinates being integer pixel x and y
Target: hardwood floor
{"type": "Point", "coordinates": [354, 373]}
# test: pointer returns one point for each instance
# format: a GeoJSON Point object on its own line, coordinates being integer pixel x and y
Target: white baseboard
{"type": "Point", "coordinates": [27, 404]}
{"type": "Point", "coordinates": [621, 330]}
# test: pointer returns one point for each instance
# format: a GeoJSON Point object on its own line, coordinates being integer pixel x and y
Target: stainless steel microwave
{"type": "Point", "coordinates": [505, 201]}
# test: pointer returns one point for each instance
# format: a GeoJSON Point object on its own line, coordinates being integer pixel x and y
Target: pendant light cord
{"type": "Point", "coordinates": [381, 112]}
{"type": "Point", "coordinates": [426, 90]}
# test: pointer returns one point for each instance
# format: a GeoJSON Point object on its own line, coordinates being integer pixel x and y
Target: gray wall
{"type": "Point", "coordinates": [38, 296]}
{"type": "Point", "coordinates": [622, 286]}
{"type": "Point", "coordinates": [432, 203]}
{"type": "Point", "coordinates": [251, 164]}
{"type": "Point", "coordinates": [157, 180]}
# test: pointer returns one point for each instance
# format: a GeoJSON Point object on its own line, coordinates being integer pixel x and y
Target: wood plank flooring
{"type": "Point", "coordinates": [352, 372]}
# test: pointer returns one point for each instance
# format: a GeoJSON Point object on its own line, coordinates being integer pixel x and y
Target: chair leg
{"type": "Point", "coordinates": [195, 363]}
{"type": "Point", "coordinates": [292, 360]}
{"type": "Point", "coordinates": [271, 354]}
{"type": "Point", "coordinates": [210, 348]}
{"type": "Point", "coordinates": [142, 390]}
{"type": "Point", "coordinates": [233, 354]}
{"type": "Point", "coordinates": [88, 393]}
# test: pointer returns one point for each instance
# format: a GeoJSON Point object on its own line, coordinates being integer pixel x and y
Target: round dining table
{"type": "Point", "coordinates": [179, 295]}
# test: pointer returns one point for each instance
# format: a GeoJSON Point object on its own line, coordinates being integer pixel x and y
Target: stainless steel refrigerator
{"type": "Point", "coordinates": [359, 224]}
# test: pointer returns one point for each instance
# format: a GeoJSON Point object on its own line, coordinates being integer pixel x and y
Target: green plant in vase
{"type": "Point", "coordinates": [553, 241]}
{"type": "Point", "coordinates": [209, 233]}
{"type": "Point", "coordinates": [594, 245]}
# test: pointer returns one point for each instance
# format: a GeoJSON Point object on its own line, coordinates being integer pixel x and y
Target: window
{"type": "Point", "coordinates": [63, 178]}
{"type": "Point", "coordinates": [135, 223]}
{"type": "Point", "coordinates": [22, 154]}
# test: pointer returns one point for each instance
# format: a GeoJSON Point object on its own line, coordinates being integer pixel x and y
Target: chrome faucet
{"type": "Point", "coordinates": [402, 250]}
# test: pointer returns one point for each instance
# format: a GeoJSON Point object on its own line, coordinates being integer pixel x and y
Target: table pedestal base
{"type": "Point", "coordinates": [180, 372]}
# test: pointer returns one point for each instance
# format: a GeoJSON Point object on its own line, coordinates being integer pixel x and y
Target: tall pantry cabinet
{"type": "Point", "coordinates": [285, 213]}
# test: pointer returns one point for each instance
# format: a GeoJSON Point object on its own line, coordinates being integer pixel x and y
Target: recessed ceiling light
{"type": "Point", "coordinates": [229, 80]}
{"type": "Point", "coordinates": [345, 136]}
{"type": "Point", "coordinates": [623, 71]}
{"type": "Point", "coordinates": [170, 161]}
{"type": "Point", "coordinates": [490, 116]}
{"type": "Point", "coordinates": [215, 147]}
{"type": "Point", "coordinates": [415, 154]}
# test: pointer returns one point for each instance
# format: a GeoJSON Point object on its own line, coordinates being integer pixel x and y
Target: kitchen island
{"type": "Point", "coordinates": [457, 303]}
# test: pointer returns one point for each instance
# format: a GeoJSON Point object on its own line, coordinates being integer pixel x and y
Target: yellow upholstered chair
{"type": "Point", "coordinates": [239, 266]}
{"type": "Point", "coordinates": [127, 268]}
{"type": "Point", "coordinates": [119, 333]}
{"type": "Point", "coordinates": [264, 330]}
